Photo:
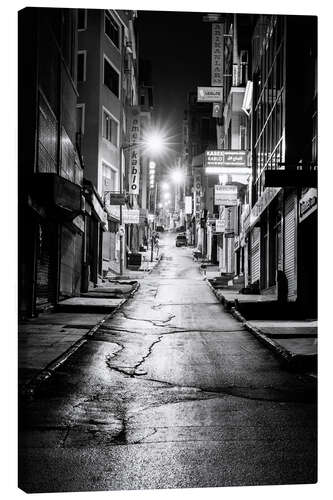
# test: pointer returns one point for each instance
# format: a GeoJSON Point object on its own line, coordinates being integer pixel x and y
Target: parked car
{"type": "Point", "coordinates": [160, 229]}
{"type": "Point", "coordinates": [181, 240]}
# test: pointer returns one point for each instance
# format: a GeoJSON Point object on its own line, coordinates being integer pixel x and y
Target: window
{"type": "Point", "coordinates": [111, 78]}
{"type": "Point", "coordinates": [110, 128]}
{"type": "Point", "coordinates": [81, 66]}
{"type": "Point", "coordinates": [80, 111]}
{"type": "Point", "coordinates": [111, 28]}
{"type": "Point", "coordinates": [82, 19]}
{"type": "Point", "coordinates": [109, 178]}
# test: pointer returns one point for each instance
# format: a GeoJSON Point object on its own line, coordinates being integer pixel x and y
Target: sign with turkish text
{"type": "Point", "coordinates": [197, 195]}
{"type": "Point", "coordinates": [134, 152]}
{"type": "Point", "coordinates": [224, 158]}
{"type": "Point", "coordinates": [210, 94]}
{"type": "Point", "coordinates": [217, 55]}
{"type": "Point", "coordinates": [188, 205]}
{"type": "Point", "coordinates": [225, 195]}
{"type": "Point", "coordinates": [131, 216]}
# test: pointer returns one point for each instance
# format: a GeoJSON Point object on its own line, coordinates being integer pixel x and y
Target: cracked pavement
{"type": "Point", "coordinates": [170, 392]}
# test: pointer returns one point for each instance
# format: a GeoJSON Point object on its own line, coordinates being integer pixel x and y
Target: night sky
{"type": "Point", "coordinates": [178, 44]}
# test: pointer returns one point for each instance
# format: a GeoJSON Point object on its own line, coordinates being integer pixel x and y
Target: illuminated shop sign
{"type": "Point", "coordinates": [223, 158]}
{"type": "Point", "coordinates": [225, 195]}
{"type": "Point", "coordinates": [134, 158]}
{"type": "Point", "coordinates": [210, 94]}
{"type": "Point", "coordinates": [217, 55]}
{"type": "Point", "coordinates": [308, 204]}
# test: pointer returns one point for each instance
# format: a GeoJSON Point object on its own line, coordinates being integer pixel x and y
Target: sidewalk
{"type": "Point", "coordinates": [46, 342]}
{"type": "Point", "coordinates": [294, 341]}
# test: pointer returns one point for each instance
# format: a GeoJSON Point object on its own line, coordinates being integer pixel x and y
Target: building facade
{"type": "Point", "coordinates": [283, 216]}
{"type": "Point", "coordinates": [51, 203]}
{"type": "Point", "coordinates": [107, 85]}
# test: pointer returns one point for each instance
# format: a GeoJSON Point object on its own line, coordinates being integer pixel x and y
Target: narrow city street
{"type": "Point", "coordinates": [171, 392]}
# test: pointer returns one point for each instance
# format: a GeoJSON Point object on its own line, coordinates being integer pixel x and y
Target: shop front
{"type": "Point", "coordinates": [308, 252]}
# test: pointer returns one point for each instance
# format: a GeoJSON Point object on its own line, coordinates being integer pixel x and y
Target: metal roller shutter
{"type": "Point", "coordinates": [290, 244]}
{"type": "Point", "coordinates": [67, 262]}
{"type": "Point", "coordinates": [255, 255]}
{"type": "Point", "coordinates": [46, 266]}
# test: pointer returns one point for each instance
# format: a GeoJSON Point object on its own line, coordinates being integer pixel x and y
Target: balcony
{"type": "Point", "coordinates": [291, 176]}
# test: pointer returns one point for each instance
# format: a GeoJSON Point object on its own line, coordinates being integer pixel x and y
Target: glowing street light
{"type": "Point", "coordinates": [165, 186]}
{"type": "Point", "coordinates": [177, 176]}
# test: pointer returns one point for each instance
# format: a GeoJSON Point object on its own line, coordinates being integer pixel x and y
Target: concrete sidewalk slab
{"type": "Point", "coordinates": [89, 302]}
{"type": "Point", "coordinates": [300, 347]}
{"type": "Point", "coordinates": [293, 341]}
{"type": "Point", "coordinates": [45, 342]}
{"type": "Point", "coordinates": [295, 345]}
{"type": "Point", "coordinates": [42, 340]}
{"type": "Point", "coordinates": [287, 329]}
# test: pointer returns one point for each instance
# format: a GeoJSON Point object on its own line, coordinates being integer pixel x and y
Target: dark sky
{"type": "Point", "coordinates": [178, 44]}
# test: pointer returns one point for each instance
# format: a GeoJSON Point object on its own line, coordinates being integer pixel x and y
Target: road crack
{"type": "Point", "coordinates": [156, 322]}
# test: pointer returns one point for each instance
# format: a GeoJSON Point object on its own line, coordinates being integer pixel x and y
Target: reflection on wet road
{"type": "Point", "coordinates": [171, 392]}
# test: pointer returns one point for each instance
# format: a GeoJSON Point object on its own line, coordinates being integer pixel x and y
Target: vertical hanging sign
{"type": "Point", "coordinates": [134, 154]}
{"type": "Point", "coordinates": [217, 55]}
{"type": "Point", "coordinates": [197, 195]}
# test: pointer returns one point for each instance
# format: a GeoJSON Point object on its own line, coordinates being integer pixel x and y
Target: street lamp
{"type": "Point", "coordinates": [177, 176]}
{"type": "Point", "coordinates": [153, 142]}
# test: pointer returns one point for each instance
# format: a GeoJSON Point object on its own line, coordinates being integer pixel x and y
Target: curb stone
{"type": "Point", "coordinates": [30, 388]}
{"type": "Point", "coordinates": [292, 361]}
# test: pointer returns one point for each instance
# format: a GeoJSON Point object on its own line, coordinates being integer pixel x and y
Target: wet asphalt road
{"type": "Point", "coordinates": [171, 392]}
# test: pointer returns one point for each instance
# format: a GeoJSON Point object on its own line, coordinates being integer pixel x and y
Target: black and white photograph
{"type": "Point", "coordinates": [167, 248]}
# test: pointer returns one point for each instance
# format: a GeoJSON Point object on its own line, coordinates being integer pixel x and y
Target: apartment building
{"type": "Point", "coordinates": [283, 216]}
{"type": "Point", "coordinates": [107, 85]}
{"type": "Point", "coordinates": [50, 174]}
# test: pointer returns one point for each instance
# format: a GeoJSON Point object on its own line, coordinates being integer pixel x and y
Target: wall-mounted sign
{"type": "Point", "coordinates": [308, 203]}
{"type": "Point", "coordinates": [222, 158]}
{"type": "Point", "coordinates": [229, 222]}
{"type": "Point", "coordinates": [265, 199]}
{"type": "Point", "coordinates": [210, 94]}
{"type": "Point", "coordinates": [197, 195]}
{"type": "Point", "coordinates": [114, 198]}
{"type": "Point", "coordinates": [217, 110]}
{"type": "Point", "coordinates": [188, 205]}
{"type": "Point", "coordinates": [134, 152]}
{"type": "Point", "coordinates": [226, 162]}
{"type": "Point", "coordinates": [220, 225]}
{"type": "Point", "coordinates": [131, 216]}
{"type": "Point", "coordinates": [225, 195]}
{"type": "Point", "coordinates": [217, 54]}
